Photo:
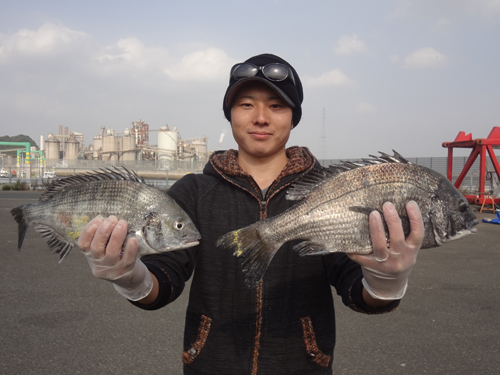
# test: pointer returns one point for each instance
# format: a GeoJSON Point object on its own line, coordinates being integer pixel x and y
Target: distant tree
{"type": "Point", "coordinates": [16, 138]}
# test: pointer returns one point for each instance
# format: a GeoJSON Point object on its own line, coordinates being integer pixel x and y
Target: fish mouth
{"type": "Point", "coordinates": [461, 234]}
{"type": "Point", "coordinates": [183, 245]}
{"type": "Point", "coordinates": [189, 243]}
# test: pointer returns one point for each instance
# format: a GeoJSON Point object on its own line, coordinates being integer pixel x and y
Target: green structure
{"type": "Point", "coordinates": [28, 153]}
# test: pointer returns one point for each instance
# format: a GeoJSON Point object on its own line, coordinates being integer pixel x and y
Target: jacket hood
{"type": "Point", "coordinates": [226, 162]}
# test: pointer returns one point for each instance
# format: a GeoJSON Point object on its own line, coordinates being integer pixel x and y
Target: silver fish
{"type": "Point", "coordinates": [154, 218]}
{"type": "Point", "coordinates": [335, 203]}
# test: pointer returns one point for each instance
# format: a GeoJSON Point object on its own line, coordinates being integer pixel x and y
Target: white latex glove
{"type": "Point", "coordinates": [102, 242]}
{"type": "Point", "coordinates": [386, 270]}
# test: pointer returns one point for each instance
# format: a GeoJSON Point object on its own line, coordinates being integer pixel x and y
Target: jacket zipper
{"type": "Point", "coordinates": [259, 299]}
{"type": "Point", "coordinates": [263, 213]}
{"type": "Point", "coordinates": [260, 286]}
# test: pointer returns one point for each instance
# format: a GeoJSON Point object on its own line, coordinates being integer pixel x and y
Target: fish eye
{"type": "Point", "coordinates": [463, 206]}
{"type": "Point", "coordinates": [179, 225]}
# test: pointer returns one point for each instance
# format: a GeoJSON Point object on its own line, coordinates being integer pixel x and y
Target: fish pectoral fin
{"type": "Point", "coordinates": [310, 248]}
{"type": "Point", "coordinates": [57, 243]}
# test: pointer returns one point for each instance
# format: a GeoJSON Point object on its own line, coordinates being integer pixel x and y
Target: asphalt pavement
{"type": "Point", "coordinates": [56, 318]}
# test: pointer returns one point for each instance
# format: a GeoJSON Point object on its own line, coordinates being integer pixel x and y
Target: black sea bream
{"type": "Point", "coordinates": [154, 218]}
{"type": "Point", "coordinates": [332, 215]}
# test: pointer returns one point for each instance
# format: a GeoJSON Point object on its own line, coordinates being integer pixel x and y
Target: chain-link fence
{"type": "Point", "coordinates": [470, 184]}
{"type": "Point", "coordinates": [35, 167]}
{"type": "Point", "coordinates": [180, 167]}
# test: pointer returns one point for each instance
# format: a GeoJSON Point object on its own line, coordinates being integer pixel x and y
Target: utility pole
{"type": "Point", "coordinates": [323, 137]}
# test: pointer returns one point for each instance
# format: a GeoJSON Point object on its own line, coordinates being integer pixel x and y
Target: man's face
{"type": "Point", "coordinates": [260, 120]}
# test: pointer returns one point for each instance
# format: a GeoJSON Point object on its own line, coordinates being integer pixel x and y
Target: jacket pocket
{"type": "Point", "coordinates": [314, 353]}
{"type": "Point", "coordinates": [189, 355]}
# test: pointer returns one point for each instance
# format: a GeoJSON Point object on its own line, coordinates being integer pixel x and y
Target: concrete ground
{"type": "Point", "coordinates": [58, 319]}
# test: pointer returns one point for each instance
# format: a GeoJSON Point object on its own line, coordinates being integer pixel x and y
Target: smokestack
{"type": "Point", "coordinates": [42, 143]}
{"type": "Point", "coordinates": [60, 138]}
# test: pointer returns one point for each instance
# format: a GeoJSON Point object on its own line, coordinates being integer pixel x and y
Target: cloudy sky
{"type": "Point", "coordinates": [377, 75]}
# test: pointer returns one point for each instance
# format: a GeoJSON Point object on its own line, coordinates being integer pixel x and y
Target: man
{"type": "Point", "coordinates": [286, 325]}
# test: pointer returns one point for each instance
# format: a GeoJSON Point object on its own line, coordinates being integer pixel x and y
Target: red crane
{"type": "Point", "coordinates": [479, 148]}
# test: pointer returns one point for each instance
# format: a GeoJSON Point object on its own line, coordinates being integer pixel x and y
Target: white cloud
{"type": "Point", "coordinates": [55, 59]}
{"type": "Point", "coordinates": [211, 64]}
{"type": "Point", "coordinates": [131, 51]}
{"type": "Point", "coordinates": [75, 53]}
{"type": "Point", "coordinates": [425, 58]}
{"type": "Point", "coordinates": [334, 77]}
{"type": "Point", "coordinates": [49, 39]}
{"type": "Point", "coordinates": [53, 75]}
{"type": "Point", "coordinates": [365, 108]}
{"type": "Point", "coordinates": [349, 44]}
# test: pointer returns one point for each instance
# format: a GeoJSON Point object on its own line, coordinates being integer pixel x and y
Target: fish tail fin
{"type": "Point", "coordinates": [22, 224]}
{"type": "Point", "coordinates": [253, 248]}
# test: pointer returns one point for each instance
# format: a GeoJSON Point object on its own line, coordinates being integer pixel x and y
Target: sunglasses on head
{"type": "Point", "coordinates": [274, 72]}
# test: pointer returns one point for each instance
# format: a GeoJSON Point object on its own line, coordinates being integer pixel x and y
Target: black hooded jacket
{"type": "Point", "coordinates": [284, 326]}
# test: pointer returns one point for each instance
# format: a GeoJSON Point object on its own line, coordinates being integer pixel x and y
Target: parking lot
{"type": "Point", "coordinates": [56, 318]}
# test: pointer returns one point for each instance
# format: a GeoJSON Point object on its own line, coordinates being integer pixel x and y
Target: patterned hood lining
{"type": "Point", "coordinates": [299, 159]}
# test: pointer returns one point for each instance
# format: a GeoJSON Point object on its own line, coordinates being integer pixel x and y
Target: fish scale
{"type": "Point", "coordinates": [332, 215]}
{"type": "Point", "coordinates": [92, 199]}
{"type": "Point", "coordinates": [153, 217]}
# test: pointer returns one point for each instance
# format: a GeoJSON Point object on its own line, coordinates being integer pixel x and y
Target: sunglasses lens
{"type": "Point", "coordinates": [244, 70]}
{"type": "Point", "coordinates": [275, 72]}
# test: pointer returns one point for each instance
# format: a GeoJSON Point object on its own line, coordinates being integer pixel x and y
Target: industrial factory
{"type": "Point", "coordinates": [130, 145]}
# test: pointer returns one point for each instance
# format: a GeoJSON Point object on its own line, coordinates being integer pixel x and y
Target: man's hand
{"type": "Point", "coordinates": [386, 270]}
{"type": "Point", "coordinates": [102, 243]}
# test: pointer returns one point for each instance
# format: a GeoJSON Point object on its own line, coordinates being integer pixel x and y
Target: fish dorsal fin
{"type": "Point", "coordinates": [385, 158]}
{"type": "Point", "coordinates": [310, 181]}
{"type": "Point", "coordinates": [56, 242]}
{"type": "Point", "coordinates": [116, 173]}
{"type": "Point", "coordinates": [382, 159]}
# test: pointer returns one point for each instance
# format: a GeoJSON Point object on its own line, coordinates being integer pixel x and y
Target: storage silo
{"type": "Point", "coordinates": [127, 146]}
{"type": "Point", "coordinates": [52, 150]}
{"type": "Point", "coordinates": [71, 148]}
{"type": "Point", "coordinates": [110, 146]}
{"type": "Point", "coordinates": [167, 143]}
{"type": "Point", "coordinates": [97, 147]}
{"type": "Point", "coordinates": [200, 145]}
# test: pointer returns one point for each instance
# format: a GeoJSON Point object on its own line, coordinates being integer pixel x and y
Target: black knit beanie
{"type": "Point", "coordinates": [289, 89]}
